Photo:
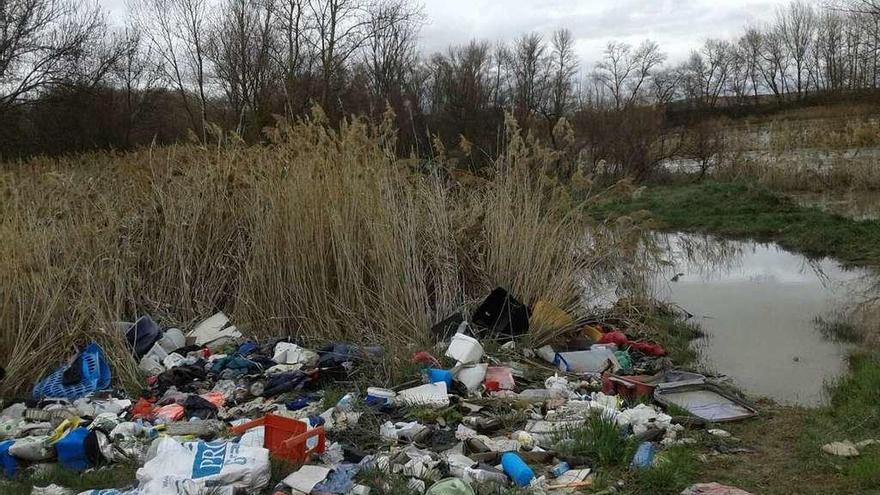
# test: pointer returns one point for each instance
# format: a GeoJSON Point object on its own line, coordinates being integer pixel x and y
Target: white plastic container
{"type": "Point", "coordinates": [464, 349]}
{"type": "Point", "coordinates": [592, 361]}
{"type": "Point", "coordinates": [383, 396]}
{"type": "Point", "coordinates": [431, 394]}
{"type": "Point", "coordinates": [288, 353]}
{"type": "Point", "coordinates": [471, 376]}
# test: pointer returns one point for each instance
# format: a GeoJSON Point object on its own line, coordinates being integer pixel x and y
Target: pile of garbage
{"type": "Point", "coordinates": [219, 407]}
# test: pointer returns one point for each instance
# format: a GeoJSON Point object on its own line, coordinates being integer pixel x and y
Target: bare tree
{"type": "Point", "coordinates": [797, 24]}
{"type": "Point", "coordinates": [749, 48]}
{"type": "Point", "coordinates": [774, 62]}
{"type": "Point", "coordinates": [340, 29]}
{"type": "Point", "coordinates": [241, 49]}
{"type": "Point", "coordinates": [829, 51]}
{"type": "Point", "coordinates": [624, 71]}
{"type": "Point", "coordinates": [390, 54]}
{"type": "Point", "coordinates": [563, 68]}
{"type": "Point", "coordinates": [529, 66]}
{"type": "Point", "coordinates": [177, 30]}
{"type": "Point", "coordinates": [291, 53]}
{"type": "Point", "coordinates": [500, 88]}
{"type": "Point", "coordinates": [45, 43]}
{"type": "Point", "coordinates": [138, 76]}
{"type": "Point", "coordinates": [709, 70]}
{"type": "Point", "coordinates": [666, 84]}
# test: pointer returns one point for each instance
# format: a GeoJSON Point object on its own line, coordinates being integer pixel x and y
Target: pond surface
{"type": "Point", "coordinates": [757, 304]}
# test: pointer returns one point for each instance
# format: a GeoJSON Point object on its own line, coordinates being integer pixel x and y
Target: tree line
{"type": "Point", "coordinates": [70, 80]}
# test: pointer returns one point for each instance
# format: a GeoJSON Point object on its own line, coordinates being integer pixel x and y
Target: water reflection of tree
{"type": "Point", "coordinates": [704, 254]}
{"type": "Point", "coordinates": [622, 271]}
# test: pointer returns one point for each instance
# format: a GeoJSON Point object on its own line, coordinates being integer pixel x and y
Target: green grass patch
{"type": "Point", "coordinates": [676, 336]}
{"type": "Point", "coordinates": [674, 470]}
{"type": "Point", "coordinates": [600, 439]}
{"type": "Point", "coordinates": [751, 211]}
{"type": "Point", "coordinates": [115, 476]}
{"type": "Point", "coordinates": [852, 414]}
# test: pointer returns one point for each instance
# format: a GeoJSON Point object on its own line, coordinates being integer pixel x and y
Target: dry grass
{"type": "Point", "coordinates": [322, 234]}
{"type": "Point", "coordinates": [805, 172]}
{"type": "Point", "coordinates": [808, 152]}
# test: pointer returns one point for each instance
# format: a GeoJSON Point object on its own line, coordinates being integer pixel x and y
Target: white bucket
{"type": "Point", "coordinates": [464, 349]}
{"type": "Point", "coordinates": [472, 376]}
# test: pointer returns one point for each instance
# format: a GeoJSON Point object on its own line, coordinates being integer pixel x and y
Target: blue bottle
{"type": "Point", "coordinates": [517, 469]}
{"type": "Point", "coordinates": [644, 455]}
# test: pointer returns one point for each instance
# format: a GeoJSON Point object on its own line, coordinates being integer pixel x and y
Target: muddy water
{"type": "Point", "coordinates": [756, 303]}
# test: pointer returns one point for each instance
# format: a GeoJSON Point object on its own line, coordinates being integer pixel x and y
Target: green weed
{"type": "Point", "coordinates": [674, 469]}
{"type": "Point", "coordinates": [600, 439]}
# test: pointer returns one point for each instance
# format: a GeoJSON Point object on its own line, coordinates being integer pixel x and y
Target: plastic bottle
{"type": "Point", "coordinates": [560, 469]}
{"type": "Point", "coordinates": [346, 403]}
{"type": "Point", "coordinates": [517, 469]}
{"type": "Point", "coordinates": [644, 455]}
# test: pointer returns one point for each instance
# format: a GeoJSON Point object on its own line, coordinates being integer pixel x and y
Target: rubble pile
{"type": "Point", "coordinates": [481, 409]}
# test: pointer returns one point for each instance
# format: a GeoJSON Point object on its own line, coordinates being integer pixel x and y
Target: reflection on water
{"type": "Point", "coordinates": [756, 303]}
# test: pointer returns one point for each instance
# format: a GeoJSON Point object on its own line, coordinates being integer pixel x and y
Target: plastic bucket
{"type": "Point", "coordinates": [72, 450]}
{"type": "Point", "coordinates": [472, 376]}
{"type": "Point", "coordinates": [380, 396]}
{"type": "Point", "coordinates": [464, 349]}
{"type": "Point", "coordinates": [8, 463]}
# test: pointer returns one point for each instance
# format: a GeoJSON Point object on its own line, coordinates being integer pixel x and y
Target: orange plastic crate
{"type": "Point", "coordinates": [287, 438]}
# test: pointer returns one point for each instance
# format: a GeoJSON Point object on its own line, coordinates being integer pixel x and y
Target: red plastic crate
{"type": "Point", "coordinates": [287, 438]}
{"type": "Point", "coordinates": [629, 387]}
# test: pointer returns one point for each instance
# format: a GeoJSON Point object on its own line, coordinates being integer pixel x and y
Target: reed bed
{"type": "Point", "coordinates": [322, 234]}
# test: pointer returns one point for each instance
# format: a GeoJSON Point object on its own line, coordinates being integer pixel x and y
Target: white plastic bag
{"type": "Point", "coordinates": [33, 449]}
{"type": "Point", "coordinates": [202, 467]}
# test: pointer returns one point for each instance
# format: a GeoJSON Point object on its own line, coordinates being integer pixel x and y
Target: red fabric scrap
{"type": "Point", "coordinates": [425, 358]}
{"type": "Point", "coordinates": [621, 340]}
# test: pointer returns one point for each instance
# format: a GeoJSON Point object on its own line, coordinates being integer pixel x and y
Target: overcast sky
{"type": "Point", "coordinates": [678, 25]}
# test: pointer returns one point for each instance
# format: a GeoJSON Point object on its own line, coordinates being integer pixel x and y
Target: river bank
{"type": "Point", "coordinates": [781, 450]}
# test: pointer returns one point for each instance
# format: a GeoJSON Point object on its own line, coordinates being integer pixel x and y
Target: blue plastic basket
{"type": "Point", "coordinates": [95, 376]}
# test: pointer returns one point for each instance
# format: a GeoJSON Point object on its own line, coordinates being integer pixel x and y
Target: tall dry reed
{"type": "Point", "coordinates": [322, 234]}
